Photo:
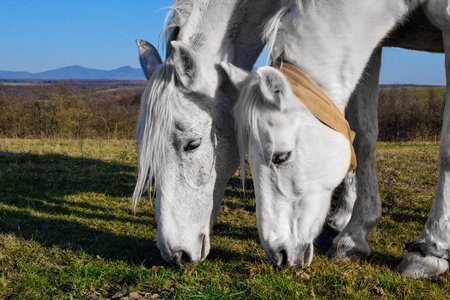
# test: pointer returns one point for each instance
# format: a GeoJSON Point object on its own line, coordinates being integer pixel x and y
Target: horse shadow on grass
{"type": "Point", "coordinates": [48, 199]}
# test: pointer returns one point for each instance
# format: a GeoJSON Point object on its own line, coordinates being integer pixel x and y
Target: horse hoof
{"type": "Point", "coordinates": [325, 239]}
{"type": "Point", "coordinates": [416, 266]}
{"type": "Point", "coordinates": [346, 247]}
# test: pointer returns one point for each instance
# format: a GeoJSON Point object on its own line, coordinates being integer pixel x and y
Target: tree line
{"type": "Point", "coordinates": [410, 114]}
{"type": "Point", "coordinates": [69, 110]}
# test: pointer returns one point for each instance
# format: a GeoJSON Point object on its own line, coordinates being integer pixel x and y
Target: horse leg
{"type": "Point", "coordinates": [361, 108]}
{"type": "Point", "coordinates": [362, 116]}
{"type": "Point", "coordinates": [337, 220]}
{"type": "Point", "coordinates": [437, 228]}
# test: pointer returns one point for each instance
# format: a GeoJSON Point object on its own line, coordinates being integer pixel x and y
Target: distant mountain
{"type": "Point", "coordinates": [78, 72]}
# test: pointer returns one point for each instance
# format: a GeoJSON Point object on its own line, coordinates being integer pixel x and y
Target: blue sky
{"type": "Point", "coordinates": [43, 35]}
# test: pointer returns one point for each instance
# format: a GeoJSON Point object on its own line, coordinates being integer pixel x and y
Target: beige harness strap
{"type": "Point", "coordinates": [312, 96]}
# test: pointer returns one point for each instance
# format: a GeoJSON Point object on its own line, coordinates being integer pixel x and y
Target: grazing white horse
{"type": "Point", "coordinates": [185, 133]}
{"type": "Point", "coordinates": [332, 42]}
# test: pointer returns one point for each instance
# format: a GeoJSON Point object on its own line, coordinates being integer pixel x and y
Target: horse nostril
{"type": "Point", "coordinates": [281, 258]}
{"type": "Point", "coordinates": [284, 256]}
{"type": "Point", "coordinates": [182, 258]}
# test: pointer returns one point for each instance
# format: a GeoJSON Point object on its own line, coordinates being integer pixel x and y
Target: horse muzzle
{"type": "Point", "coordinates": [185, 255]}
{"type": "Point", "coordinates": [288, 256]}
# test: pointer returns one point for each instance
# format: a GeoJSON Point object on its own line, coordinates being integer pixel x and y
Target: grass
{"type": "Point", "coordinates": [67, 231]}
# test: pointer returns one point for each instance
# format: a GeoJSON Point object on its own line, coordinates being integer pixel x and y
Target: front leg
{"type": "Point", "coordinates": [363, 118]}
{"type": "Point", "coordinates": [338, 219]}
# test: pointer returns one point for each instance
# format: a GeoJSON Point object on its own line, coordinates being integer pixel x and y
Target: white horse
{"type": "Point", "coordinates": [185, 133]}
{"type": "Point", "coordinates": [335, 42]}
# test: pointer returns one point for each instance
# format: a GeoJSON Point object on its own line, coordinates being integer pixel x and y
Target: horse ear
{"type": "Point", "coordinates": [149, 57]}
{"type": "Point", "coordinates": [272, 84]}
{"type": "Point", "coordinates": [185, 63]}
{"type": "Point", "coordinates": [237, 76]}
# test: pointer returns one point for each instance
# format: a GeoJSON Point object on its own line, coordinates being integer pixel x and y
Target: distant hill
{"type": "Point", "coordinates": [78, 72]}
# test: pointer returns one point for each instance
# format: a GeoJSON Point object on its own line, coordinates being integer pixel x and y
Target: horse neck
{"type": "Point", "coordinates": [229, 31]}
{"type": "Point", "coordinates": [337, 39]}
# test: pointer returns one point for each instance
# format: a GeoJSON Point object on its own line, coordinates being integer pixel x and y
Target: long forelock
{"type": "Point", "coordinates": [156, 115]}
{"type": "Point", "coordinates": [249, 117]}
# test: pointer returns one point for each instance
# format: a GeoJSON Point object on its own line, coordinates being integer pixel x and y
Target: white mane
{"type": "Point", "coordinates": [196, 15]}
{"type": "Point", "coordinates": [274, 29]}
{"type": "Point", "coordinates": [177, 16]}
{"type": "Point", "coordinates": [152, 129]}
{"type": "Point", "coordinates": [188, 15]}
{"type": "Point", "coordinates": [156, 101]}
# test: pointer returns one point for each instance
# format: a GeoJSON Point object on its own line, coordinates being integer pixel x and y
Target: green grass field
{"type": "Point", "coordinates": [67, 231]}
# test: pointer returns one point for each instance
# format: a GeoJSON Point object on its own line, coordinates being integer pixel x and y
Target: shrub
{"type": "Point", "coordinates": [410, 114]}
{"type": "Point", "coordinates": [64, 109]}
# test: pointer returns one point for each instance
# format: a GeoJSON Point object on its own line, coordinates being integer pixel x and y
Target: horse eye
{"type": "Point", "coordinates": [280, 157]}
{"type": "Point", "coordinates": [193, 145]}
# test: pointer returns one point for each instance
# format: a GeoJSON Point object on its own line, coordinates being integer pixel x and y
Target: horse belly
{"type": "Point", "coordinates": [416, 32]}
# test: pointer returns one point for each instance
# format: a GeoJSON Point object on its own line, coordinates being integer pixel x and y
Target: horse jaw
{"type": "Point", "coordinates": [293, 198]}
{"type": "Point", "coordinates": [285, 226]}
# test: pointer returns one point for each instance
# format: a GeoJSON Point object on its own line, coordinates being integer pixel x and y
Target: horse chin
{"type": "Point", "coordinates": [182, 257]}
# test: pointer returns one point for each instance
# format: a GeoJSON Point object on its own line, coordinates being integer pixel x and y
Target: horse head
{"type": "Point", "coordinates": [186, 142]}
{"type": "Point", "coordinates": [295, 159]}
